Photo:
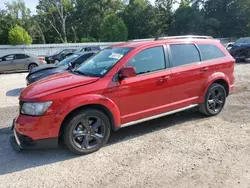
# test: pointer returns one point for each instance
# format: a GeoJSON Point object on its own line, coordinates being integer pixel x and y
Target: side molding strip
{"type": "Point", "coordinates": [157, 116]}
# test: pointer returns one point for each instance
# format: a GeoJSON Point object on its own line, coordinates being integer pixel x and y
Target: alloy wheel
{"type": "Point", "coordinates": [216, 100]}
{"type": "Point", "coordinates": [88, 133]}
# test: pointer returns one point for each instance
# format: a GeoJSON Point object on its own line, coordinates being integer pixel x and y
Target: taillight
{"type": "Point", "coordinates": [42, 58]}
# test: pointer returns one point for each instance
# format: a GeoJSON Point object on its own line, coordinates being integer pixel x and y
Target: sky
{"type": "Point", "coordinates": [31, 4]}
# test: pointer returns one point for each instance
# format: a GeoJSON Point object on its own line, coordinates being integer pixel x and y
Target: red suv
{"type": "Point", "coordinates": [123, 85]}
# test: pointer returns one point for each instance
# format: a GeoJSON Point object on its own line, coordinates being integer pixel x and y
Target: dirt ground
{"type": "Point", "coordinates": [181, 150]}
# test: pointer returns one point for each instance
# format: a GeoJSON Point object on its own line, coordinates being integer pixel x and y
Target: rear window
{"type": "Point", "coordinates": [210, 51]}
{"type": "Point", "coordinates": [242, 41]}
{"type": "Point", "coordinates": [21, 56]}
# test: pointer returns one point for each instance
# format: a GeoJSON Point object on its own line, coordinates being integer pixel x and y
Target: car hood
{"type": "Point", "coordinates": [54, 84]}
{"type": "Point", "coordinates": [43, 67]}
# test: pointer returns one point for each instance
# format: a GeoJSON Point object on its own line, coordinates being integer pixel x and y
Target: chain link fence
{"type": "Point", "coordinates": [47, 49]}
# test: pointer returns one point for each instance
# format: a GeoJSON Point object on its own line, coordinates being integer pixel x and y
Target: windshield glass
{"type": "Point", "coordinates": [57, 52]}
{"type": "Point", "coordinates": [68, 60]}
{"type": "Point", "coordinates": [102, 62]}
{"type": "Point", "coordinates": [78, 50]}
{"type": "Point", "coordinates": [243, 41]}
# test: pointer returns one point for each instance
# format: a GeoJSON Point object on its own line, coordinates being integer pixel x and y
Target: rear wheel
{"type": "Point", "coordinates": [215, 100]}
{"type": "Point", "coordinates": [32, 66]}
{"type": "Point", "coordinates": [86, 131]}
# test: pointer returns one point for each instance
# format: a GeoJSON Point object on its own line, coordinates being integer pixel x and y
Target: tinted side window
{"type": "Point", "coordinates": [20, 56]}
{"type": "Point", "coordinates": [8, 58]}
{"type": "Point", "coordinates": [87, 49]}
{"type": "Point", "coordinates": [81, 59]}
{"type": "Point", "coordinates": [210, 51]}
{"type": "Point", "coordinates": [148, 60]}
{"type": "Point", "coordinates": [183, 54]}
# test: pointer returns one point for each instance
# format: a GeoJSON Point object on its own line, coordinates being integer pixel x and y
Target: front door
{"type": "Point", "coordinates": [148, 93]}
{"type": "Point", "coordinates": [6, 63]}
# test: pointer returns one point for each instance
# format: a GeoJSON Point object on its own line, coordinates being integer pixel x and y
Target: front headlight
{"type": "Point", "coordinates": [36, 75]}
{"type": "Point", "coordinates": [35, 109]}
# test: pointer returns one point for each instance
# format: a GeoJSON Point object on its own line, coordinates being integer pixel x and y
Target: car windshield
{"type": "Point", "coordinates": [57, 52]}
{"type": "Point", "coordinates": [101, 63]}
{"type": "Point", "coordinates": [68, 60]}
{"type": "Point", "coordinates": [78, 50]}
{"type": "Point", "coordinates": [243, 41]}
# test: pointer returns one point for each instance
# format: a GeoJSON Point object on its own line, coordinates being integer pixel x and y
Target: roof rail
{"type": "Point", "coordinates": [141, 40]}
{"type": "Point", "coordinates": [185, 37]}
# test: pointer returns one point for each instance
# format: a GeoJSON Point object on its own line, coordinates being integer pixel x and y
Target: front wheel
{"type": "Point", "coordinates": [215, 100]}
{"type": "Point", "coordinates": [86, 131]}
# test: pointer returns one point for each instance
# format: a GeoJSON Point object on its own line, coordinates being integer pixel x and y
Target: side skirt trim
{"type": "Point", "coordinates": [157, 116]}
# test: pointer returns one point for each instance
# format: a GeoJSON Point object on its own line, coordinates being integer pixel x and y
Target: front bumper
{"type": "Point", "coordinates": [20, 141]}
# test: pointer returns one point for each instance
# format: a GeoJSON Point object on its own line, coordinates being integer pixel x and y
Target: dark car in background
{"type": "Point", "coordinates": [240, 50]}
{"type": "Point", "coordinates": [69, 63]}
{"type": "Point", "coordinates": [88, 49]}
{"type": "Point", "coordinates": [59, 56]}
{"type": "Point", "coordinates": [19, 61]}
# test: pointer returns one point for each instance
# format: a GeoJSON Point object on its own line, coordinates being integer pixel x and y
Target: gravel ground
{"type": "Point", "coordinates": [182, 150]}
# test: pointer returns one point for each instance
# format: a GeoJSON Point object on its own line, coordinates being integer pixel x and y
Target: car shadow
{"type": "Point", "coordinates": [13, 72]}
{"type": "Point", "coordinates": [14, 92]}
{"type": "Point", "coordinates": [12, 161]}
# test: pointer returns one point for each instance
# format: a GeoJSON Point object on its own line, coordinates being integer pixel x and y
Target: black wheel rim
{"type": "Point", "coordinates": [32, 66]}
{"type": "Point", "coordinates": [216, 100]}
{"type": "Point", "coordinates": [88, 133]}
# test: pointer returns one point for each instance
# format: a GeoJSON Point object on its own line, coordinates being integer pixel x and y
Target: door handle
{"type": "Point", "coordinates": [164, 78]}
{"type": "Point", "coordinates": [203, 70]}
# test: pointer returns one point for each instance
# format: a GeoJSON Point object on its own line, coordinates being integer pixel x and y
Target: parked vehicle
{"type": "Point", "coordinates": [229, 46]}
{"type": "Point", "coordinates": [123, 85]}
{"type": "Point", "coordinates": [88, 49]}
{"type": "Point", "coordinates": [15, 62]}
{"type": "Point", "coordinates": [47, 70]}
{"type": "Point", "coordinates": [241, 50]}
{"type": "Point", "coordinates": [59, 56]}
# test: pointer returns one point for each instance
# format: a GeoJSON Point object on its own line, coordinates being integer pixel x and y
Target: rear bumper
{"type": "Point", "coordinates": [20, 141]}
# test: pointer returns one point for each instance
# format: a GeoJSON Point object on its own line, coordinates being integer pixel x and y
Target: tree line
{"type": "Point", "coordinates": [70, 21]}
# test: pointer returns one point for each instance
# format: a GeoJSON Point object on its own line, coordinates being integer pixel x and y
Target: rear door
{"type": "Point", "coordinates": [6, 63]}
{"type": "Point", "coordinates": [21, 61]}
{"type": "Point", "coordinates": [188, 75]}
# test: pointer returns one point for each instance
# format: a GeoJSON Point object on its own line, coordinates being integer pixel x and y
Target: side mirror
{"type": "Point", "coordinates": [70, 65]}
{"type": "Point", "coordinates": [127, 72]}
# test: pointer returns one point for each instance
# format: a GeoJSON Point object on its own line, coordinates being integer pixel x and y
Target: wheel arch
{"type": "Point", "coordinates": [97, 102]}
{"type": "Point", "coordinates": [99, 107]}
{"type": "Point", "coordinates": [219, 78]}
{"type": "Point", "coordinates": [32, 63]}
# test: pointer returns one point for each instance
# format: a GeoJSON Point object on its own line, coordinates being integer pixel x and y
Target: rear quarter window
{"type": "Point", "coordinates": [210, 51]}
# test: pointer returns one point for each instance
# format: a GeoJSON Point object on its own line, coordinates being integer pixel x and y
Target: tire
{"type": "Point", "coordinates": [32, 66]}
{"type": "Point", "coordinates": [215, 100]}
{"type": "Point", "coordinates": [86, 131]}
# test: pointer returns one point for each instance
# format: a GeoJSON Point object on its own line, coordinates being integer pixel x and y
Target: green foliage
{"type": "Point", "coordinates": [88, 39]}
{"type": "Point", "coordinates": [18, 35]}
{"type": "Point", "coordinates": [113, 29]}
{"type": "Point", "coordinates": [60, 21]}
